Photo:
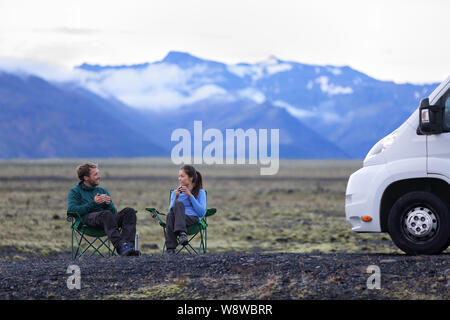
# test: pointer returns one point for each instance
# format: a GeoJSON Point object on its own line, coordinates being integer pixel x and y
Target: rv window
{"type": "Point", "coordinates": [447, 112]}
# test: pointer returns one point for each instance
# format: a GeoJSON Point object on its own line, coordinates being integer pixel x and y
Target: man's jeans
{"type": "Point", "coordinates": [110, 222]}
{"type": "Point", "coordinates": [177, 221]}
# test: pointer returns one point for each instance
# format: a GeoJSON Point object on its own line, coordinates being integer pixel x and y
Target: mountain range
{"type": "Point", "coordinates": [131, 110]}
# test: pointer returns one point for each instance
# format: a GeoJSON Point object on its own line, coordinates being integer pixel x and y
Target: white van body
{"type": "Point", "coordinates": [402, 159]}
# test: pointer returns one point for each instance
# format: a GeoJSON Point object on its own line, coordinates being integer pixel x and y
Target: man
{"type": "Point", "coordinates": [95, 206]}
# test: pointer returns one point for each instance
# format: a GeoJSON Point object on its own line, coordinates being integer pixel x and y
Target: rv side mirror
{"type": "Point", "coordinates": [430, 121]}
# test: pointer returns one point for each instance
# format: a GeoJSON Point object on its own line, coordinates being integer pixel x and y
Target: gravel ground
{"type": "Point", "coordinates": [225, 276]}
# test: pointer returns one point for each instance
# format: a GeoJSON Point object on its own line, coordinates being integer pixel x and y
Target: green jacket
{"type": "Point", "coordinates": [81, 200]}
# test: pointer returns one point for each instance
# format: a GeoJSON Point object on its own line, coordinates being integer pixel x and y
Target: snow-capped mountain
{"type": "Point", "coordinates": [340, 104]}
{"type": "Point", "coordinates": [131, 110]}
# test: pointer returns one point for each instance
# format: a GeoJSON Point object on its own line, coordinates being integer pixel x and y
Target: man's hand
{"type": "Point", "coordinates": [100, 198]}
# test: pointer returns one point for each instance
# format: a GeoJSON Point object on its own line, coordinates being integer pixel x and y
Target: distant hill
{"type": "Point", "coordinates": [39, 119]}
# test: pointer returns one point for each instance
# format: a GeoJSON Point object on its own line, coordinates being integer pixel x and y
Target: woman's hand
{"type": "Point", "coordinates": [185, 190]}
{"type": "Point", "coordinates": [177, 193]}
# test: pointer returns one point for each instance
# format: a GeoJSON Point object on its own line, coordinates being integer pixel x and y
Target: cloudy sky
{"type": "Point", "coordinates": [399, 40]}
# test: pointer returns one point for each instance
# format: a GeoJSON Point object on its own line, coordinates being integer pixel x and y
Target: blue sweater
{"type": "Point", "coordinates": [193, 206]}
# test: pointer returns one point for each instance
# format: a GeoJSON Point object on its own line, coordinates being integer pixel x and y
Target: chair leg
{"type": "Point", "coordinates": [111, 252]}
{"type": "Point", "coordinates": [203, 242]}
{"type": "Point", "coordinates": [71, 245]}
{"type": "Point", "coordinates": [96, 249]}
{"type": "Point", "coordinates": [78, 242]}
{"type": "Point", "coordinates": [189, 247]}
{"type": "Point", "coordinates": [204, 247]}
{"type": "Point", "coordinates": [164, 245]}
{"type": "Point", "coordinates": [108, 247]}
{"type": "Point", "coordinates": [71, 249]}
{"type": "Point", "coordinates": [103, 244]}
{"type": "Point", "coordinates": [192, 248]}
{"type": "Point", "coordinates": [81, 252]}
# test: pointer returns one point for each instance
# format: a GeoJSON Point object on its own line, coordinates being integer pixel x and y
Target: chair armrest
{"type": "Point", "coordinates": [210, 212]}
{"type": "Point", "coordinates": [73, 214]}
{"type": "Point", "coordinates": [75, 219]}
{"type": "Point", "coordinates": [157, 214]}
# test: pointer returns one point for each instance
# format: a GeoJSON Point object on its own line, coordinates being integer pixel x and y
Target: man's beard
{"type": "Point", "coordinates": [93, 183]}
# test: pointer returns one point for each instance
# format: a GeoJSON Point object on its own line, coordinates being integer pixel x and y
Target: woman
{"type": "Point", "coordinates": [187, 206]}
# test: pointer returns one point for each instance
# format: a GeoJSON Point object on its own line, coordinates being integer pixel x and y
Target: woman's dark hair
{"type": "Point", "coordinates": [196, 176]}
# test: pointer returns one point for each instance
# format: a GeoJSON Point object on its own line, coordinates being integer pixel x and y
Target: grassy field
{"type": "Point", "coordinates": [301, 209]}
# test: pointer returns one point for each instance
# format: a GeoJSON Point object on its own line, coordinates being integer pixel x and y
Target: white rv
{"type": "Point", "coordinates": [403, 187]}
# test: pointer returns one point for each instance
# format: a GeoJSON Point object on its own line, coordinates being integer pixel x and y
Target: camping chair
{"type": "Point", "coordinates": [192, 230]}
{"type": "Point", "coordinates": [79, 232]}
